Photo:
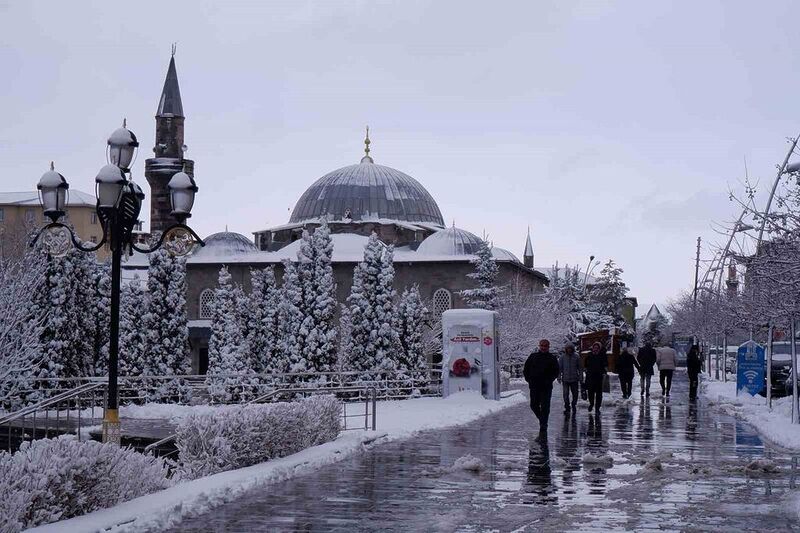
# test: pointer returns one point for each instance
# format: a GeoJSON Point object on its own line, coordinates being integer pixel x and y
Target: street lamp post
{"type": "Point", "coordinates": [119, 201]}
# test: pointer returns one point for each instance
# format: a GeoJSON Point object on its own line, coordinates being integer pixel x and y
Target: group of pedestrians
{"type": "Point", "coordinates": [542, 368]}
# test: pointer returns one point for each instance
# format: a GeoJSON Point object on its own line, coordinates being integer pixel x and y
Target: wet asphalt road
{"type": "Point", "coordinates": [524, 486]}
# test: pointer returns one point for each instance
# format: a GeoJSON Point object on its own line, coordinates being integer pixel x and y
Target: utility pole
{"type": "Point", "coordinates": [696, 272]}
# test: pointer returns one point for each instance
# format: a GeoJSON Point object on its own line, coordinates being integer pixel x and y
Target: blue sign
{"type": "Point", "coordinates": [750, 368]}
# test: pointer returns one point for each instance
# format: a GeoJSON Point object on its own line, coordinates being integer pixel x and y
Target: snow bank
{"type": "Point", "coordinates": [396, 419]}
{"type": "Point", "coordinates": [774, 425]}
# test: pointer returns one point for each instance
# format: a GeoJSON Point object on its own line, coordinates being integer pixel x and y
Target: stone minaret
{"type": "Point", "coordinates": [169, 151]}
{"type": "Point", "coordinates": [527, 256]}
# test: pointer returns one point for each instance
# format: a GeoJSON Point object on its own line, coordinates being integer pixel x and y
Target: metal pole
{"type": "Point", "coordinates": [769, 365]}
{"type": "Point", "coordinates": [716, 362]}
{"type": "Point", "coordinates": [696, 271]}
{"type": "Point", "coordinates": [781, 170]}
{"type": "Point", "coordinates": [794, 373]}
{"type": "Point", "coordinates": [725, 358]}
{"type": "Point", "coordinates": [111, 426]}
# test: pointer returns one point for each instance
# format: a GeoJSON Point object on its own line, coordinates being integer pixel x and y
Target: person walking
{"type": "Point", "coordinates": [694, 365]}
{"type": "Point", "coordinates": [569, 374]}
{"type": "Point", "coordinates": [666, 358]}
{"type": "Point", "coordinates": [540, 370]}
{"type": "Point", "coordinates": [626, 363]}
{"type": "Point", "coordinates": [646, 358]}
{"type": "Point", "coordinates": [596, 366]}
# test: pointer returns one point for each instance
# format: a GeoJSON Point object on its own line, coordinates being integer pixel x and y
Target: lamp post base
{"type": "Point", "coordinates": [111, 427]}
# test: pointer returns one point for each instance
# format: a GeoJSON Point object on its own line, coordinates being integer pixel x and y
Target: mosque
{"type": "Point", "coordinates": [355, 201]}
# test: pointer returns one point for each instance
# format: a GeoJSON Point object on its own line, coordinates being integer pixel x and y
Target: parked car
{"type": "Point", "coordinates": [781, 369]}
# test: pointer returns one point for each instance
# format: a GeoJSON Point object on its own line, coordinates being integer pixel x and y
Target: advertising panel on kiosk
{"type": "Point", "coordinates": [470, 355]}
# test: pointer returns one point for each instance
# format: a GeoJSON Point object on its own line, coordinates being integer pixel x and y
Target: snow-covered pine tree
{"type": "Point", "coordinates": [411, 317]}
{"type": "Point", "coordinates": [292, 319]}
{"type": "Point", "coordinates": [319, 299]}
{"type": "Point", "coordinates": [229, 377]}
{"type": "Point", "coordinates": [132, 338]}
{"type": "Point", "coordinates": [165, 323]}
{"type": "Point", "coordinates": [63, 297]}
{"type": "Point", "coordinates": [374, 342]}
{"type": "Point", "coordinates": [486, 295]}
{"type": "Point", "coordinates": [99, 317]}
{"type": "Point", "coordinates": [607, 296]}
{"type": "Point", "coordinates": [262, 333]}
{"type": "Point", "coordinates": [19, 330]}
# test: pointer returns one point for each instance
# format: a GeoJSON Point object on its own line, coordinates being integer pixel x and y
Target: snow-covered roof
{"type": "Point", "coordinates": [451, 241]}
{"type": "Point", "coordinates": [222, 244]}
{"type": "Point", "coordinates": [75, 198]}
{"type": "Point", "coordinates": [347, 248]}
{"type": "Point", "coordinates": [415, 226]}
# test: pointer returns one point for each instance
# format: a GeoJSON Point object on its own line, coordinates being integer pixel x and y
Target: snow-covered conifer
{"type": "Point", "coordinates": [374, 342]}
{"type": "Point", "coordinates": [99, 316]}
{"type": "Point", "coordinates": [486, 295]}
{"type": "Point", "coordinates": [608, 297]}
{"type": "Point", "coordinates": [293, 327]}
{"type": "Point", "coordinates": [132, 338]}
{"type": "Point", "coordinates": [411, 317]}
{"type": "Point", "coordinates": [319, 299]}
{"type": "Point", "coordinates": [229, 375]}
{"type": "Point", "coordinates": [262, 334]}
{"type": "Point", "coordinates": [165, 321]}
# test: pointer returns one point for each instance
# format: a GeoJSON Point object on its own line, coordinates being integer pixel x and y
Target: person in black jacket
{"type": "Point", "coordinates": [694, 365]}
{"type": "Point", "coordinates": [626, 362]}
{"type": "Point", "coordinates": [541, 369]}
{"type": "Point", "coordinates": [647, 359]}
{"type": "Point", "coordinates": [596, 366]}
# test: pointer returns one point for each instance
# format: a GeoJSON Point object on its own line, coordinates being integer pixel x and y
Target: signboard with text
{"type": "Point", "coordinates": [750, 368]}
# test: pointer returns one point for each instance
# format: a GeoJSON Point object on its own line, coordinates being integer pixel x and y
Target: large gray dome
{"type": "Point", "coordinates": [367, 192]}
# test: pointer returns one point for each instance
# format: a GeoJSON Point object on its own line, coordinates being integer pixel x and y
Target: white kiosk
{"type": "Point", "coordinates": [470, 355]}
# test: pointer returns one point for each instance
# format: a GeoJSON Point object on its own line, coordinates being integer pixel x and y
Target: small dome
{"type": "Point", "coordinates": [367, 191]}
{"type": "Point", "coordinates": [450, 241]}
{"type": "Point", "coordinates": [225, 242]}
{"type": "Point", "coordinates": [501, 254]}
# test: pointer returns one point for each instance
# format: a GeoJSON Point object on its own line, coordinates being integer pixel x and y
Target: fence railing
{"type": "Point", "coordinates": [193, 389]}
{"type": "Point", "coordinates": [65, 412]}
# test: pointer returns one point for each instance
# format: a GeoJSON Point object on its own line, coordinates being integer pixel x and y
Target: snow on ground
{"type": "Point", "coordinates": [396, 419]}
{"type": "Point", "coordinates": [774, 425]}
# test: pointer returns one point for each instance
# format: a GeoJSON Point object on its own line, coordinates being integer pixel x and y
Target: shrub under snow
{"type": "Point", "coordinates": [215, 442]}
{"type": "Point", "coordinates": [55, 479]}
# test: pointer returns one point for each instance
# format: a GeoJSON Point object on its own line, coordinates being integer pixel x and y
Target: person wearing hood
{"type": "Point", "coordinates": [570, 374]}
{"type": "Point", "coordinates": [596, 367]}
{"type": "Point", "coordinates": [647, 359]}
{"type": "Point", "coordinates": [666, 359]}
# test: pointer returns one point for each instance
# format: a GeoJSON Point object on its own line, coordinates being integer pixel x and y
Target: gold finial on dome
{"type": "Point", "coordinates": [367, 158]}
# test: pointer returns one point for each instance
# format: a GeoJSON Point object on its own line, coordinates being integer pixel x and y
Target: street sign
{"type": "Point", "coordinates": [750, 368]}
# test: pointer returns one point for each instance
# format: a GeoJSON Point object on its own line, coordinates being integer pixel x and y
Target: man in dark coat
{"type": "Point", "coordinates": [647, 359]}
{"type": "Point", "coordinates": [694, 365]}
{"type": "Point", "coordinates": [596, 367]}
{"type": "Point", "coordinates": [541, 369]}
{"type": "Point", "coordinates": [625, 365]}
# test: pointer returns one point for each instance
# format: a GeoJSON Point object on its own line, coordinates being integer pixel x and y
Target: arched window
{"type": "Point", "coordinates": [442, 301]}
{"type": "Point", "coordinates": [206, 303]}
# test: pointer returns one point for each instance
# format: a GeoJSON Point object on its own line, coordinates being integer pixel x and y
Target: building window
{"type": "Point", "coordinates": [30, 215]}
{"type": "Point", "coordinates": [442, 301]}
{"type": "Point", "coordinates": [93, 218]}
{"type": "Point", "coordinates": [207, 303]}
{"type": "Point", "coordinates": [2, 214]}
{"type": "Point", "coordinates": [93, 239]}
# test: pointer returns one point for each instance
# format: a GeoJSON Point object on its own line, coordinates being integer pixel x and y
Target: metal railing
{"type": "Point", "coordinates": [61, 413]}
{"type": "Point", "coordinates": [366, 394]}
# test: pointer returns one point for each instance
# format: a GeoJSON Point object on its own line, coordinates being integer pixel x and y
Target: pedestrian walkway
{"type": "Point", "coordinates": [522, 486]}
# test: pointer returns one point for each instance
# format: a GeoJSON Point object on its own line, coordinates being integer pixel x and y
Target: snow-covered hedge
{"type": "Point", "coordinates": [214, 442]}
{"type": "Point", "coordinates": [54, 479]}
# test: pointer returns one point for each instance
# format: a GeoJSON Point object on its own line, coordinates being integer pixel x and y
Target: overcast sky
{"type": "Point", "coordinates": [611, 128]}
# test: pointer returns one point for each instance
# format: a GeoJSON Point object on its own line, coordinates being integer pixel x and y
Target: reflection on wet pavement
{"type": "Point", "coordinates": [591, 475]}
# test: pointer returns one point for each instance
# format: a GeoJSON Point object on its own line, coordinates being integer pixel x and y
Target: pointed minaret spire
{"type": "Point", "coordinates": [367, 142]}
{"type": "Point", "coordinates": [527, 255]}
{"type": "Point", "coordinates": [169, 150]}
{"type": "Point", "coordinates": [170, 103]}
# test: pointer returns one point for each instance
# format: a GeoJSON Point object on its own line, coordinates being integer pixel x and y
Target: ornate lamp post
{"type": "Point", "coordinates": [119, 201]}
